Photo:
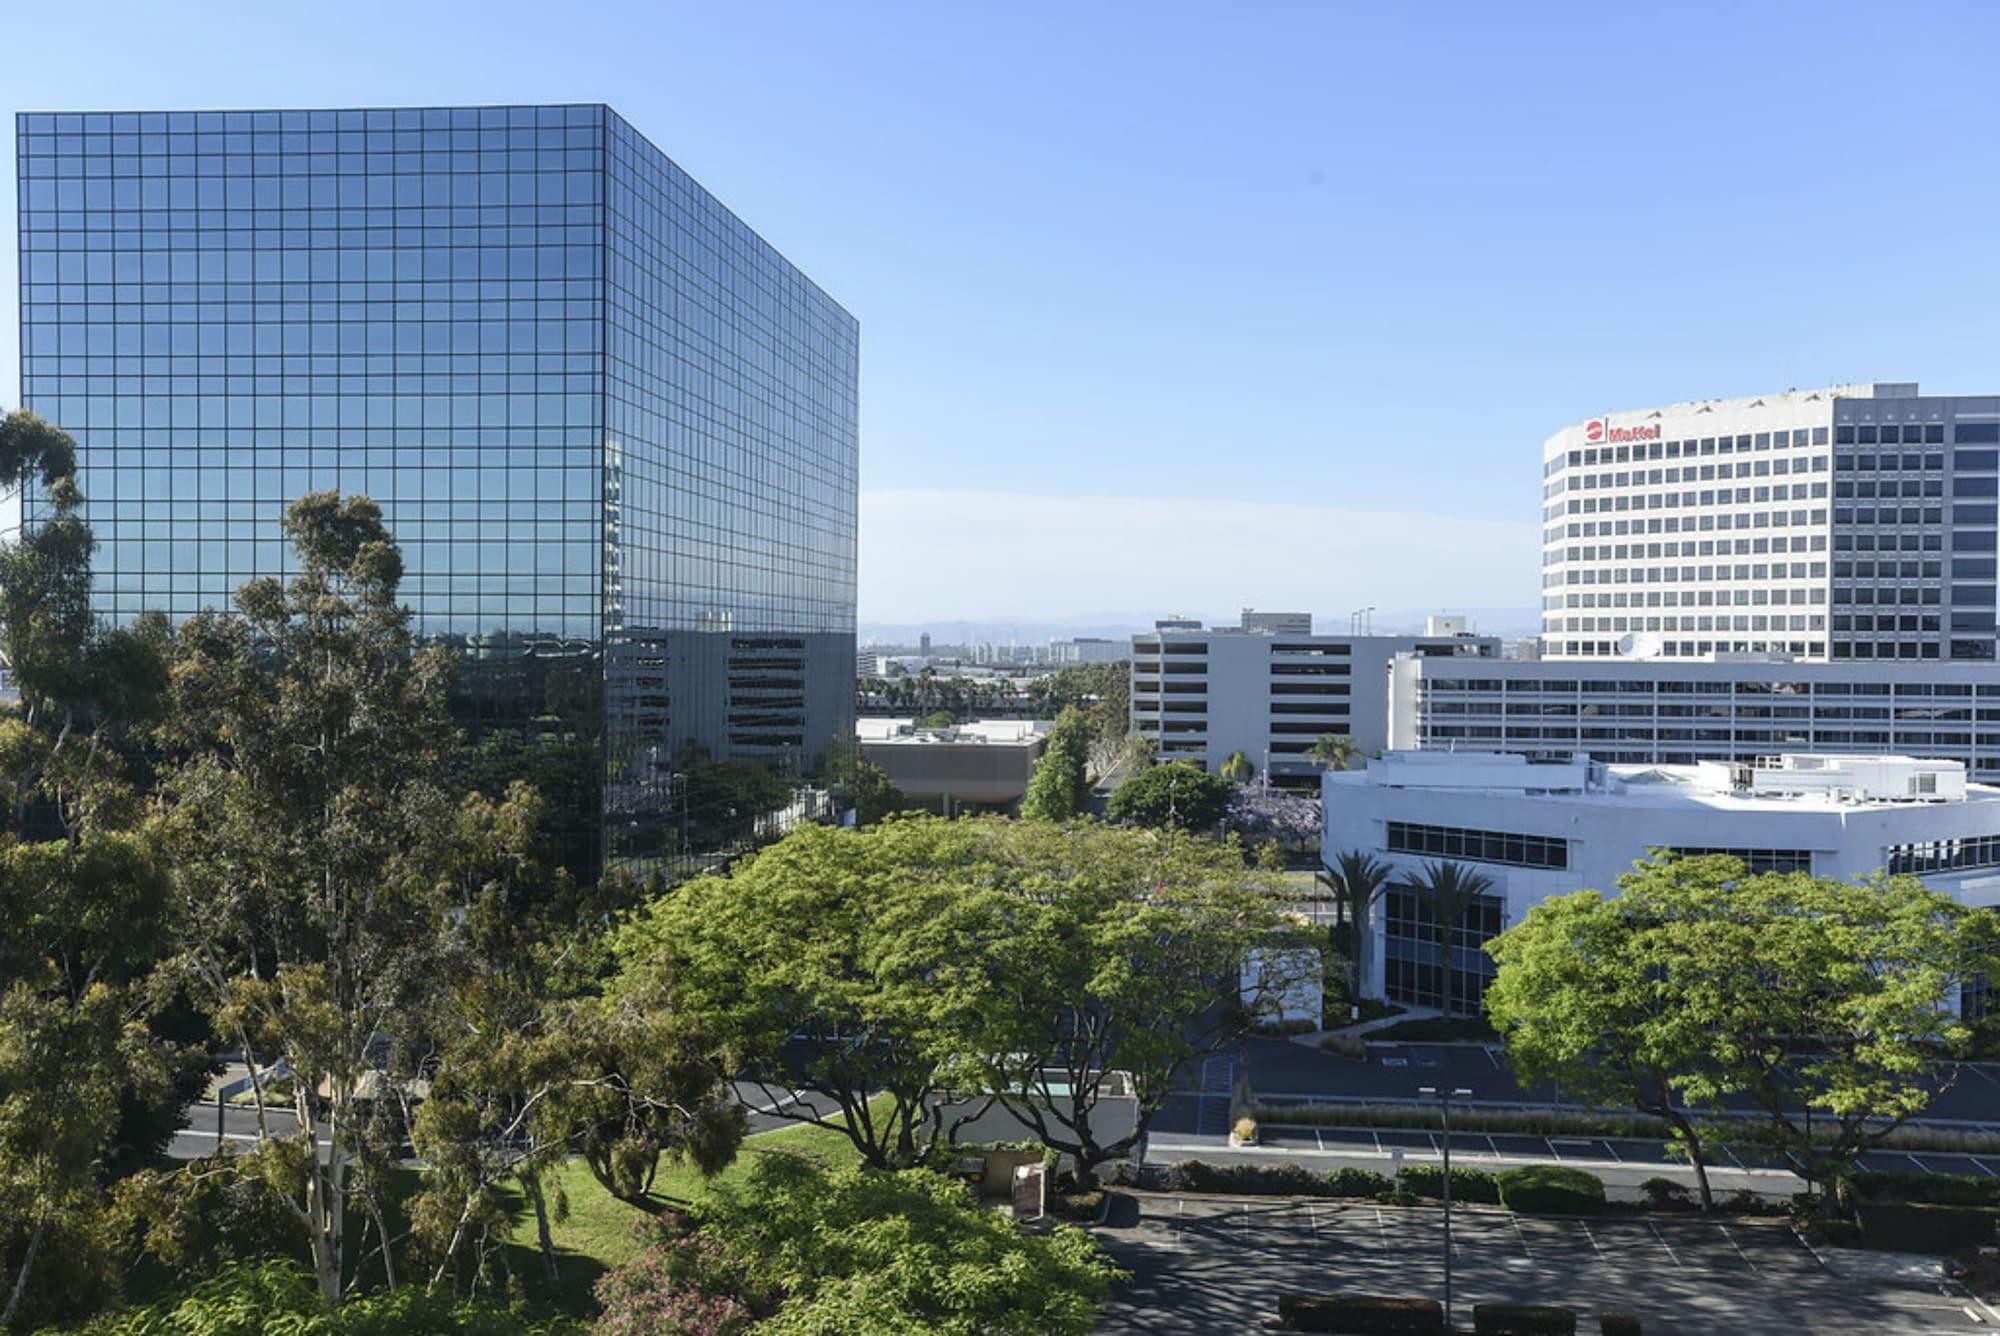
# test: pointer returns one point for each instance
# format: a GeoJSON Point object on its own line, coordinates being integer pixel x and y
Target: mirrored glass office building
{"type": "Point", "coordinates": [615, 431]}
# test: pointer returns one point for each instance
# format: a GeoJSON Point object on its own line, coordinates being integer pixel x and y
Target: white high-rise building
{"type": "Point", "coordinates": [1203, 695]}
{"type": "Point", "coordinates": [1854, 522]}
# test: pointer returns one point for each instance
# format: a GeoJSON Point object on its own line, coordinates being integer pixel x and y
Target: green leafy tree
{"type": "Point", "coordinates": [1238, 769]}
{"type": "Point", "coordinates": [317, 832]}
{"type": "Point", "coordinates": [1581, 1001]}
{"type": "Point", "coordinates": [831, 962]}
{"type": "Point", "coordinates": [1103, 693]}
{"type": "Point", "coordinates": [1333, 751]}
{"type": "Point", "coordinates": [1825, 1003]}
{"type": "Point", "coordinates": [796, 1248]}
{"type": "Point", "coordinates": [1448, 891]}
{"type": "Point", "coordinates": [1178, 794]}
{"type": "Point", "coordinates": [722, 804]}
{"type": "Point", "coordinates": [938, 719]}
{"type": "Point", "coordinates": [863, 783]}
{"type": "Point", "coordinates": [1056, 790]}
{"type": "Point", "coordinates": [1103, 953]}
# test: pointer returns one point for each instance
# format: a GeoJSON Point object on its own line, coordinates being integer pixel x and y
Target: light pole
{"type": "Point", "coordinates": [1444, 1099]}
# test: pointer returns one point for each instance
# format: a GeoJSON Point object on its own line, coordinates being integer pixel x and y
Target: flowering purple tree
{"type": "Point", "coordinates": [1259, 812]}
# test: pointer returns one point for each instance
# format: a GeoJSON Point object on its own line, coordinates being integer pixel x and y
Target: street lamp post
{"type": "Point", "coordinates": [1444, 1099]}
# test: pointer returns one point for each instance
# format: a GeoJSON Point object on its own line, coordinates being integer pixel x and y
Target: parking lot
{"type": "Point", "coordinates": [1216, 1265]}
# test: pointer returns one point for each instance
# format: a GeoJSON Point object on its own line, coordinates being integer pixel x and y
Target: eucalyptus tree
{"type": "Point", "coordinates": [316, 831]}
{"type": "Point", "coordinates": [92, 1071]}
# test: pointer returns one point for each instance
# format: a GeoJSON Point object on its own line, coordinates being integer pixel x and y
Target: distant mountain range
{"type": "Point", "coordinates": [1505, 622]}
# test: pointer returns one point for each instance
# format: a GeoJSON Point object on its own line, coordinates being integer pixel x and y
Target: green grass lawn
{"type": "Point", "coordinates": [599, 1231]}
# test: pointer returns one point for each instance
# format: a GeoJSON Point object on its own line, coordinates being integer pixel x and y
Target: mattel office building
{"type": "Point", "coordinates": [614, 430]}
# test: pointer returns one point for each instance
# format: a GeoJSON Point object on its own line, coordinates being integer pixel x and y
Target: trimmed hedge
{"type": "Point", "coordinates": [1944, 1189]}
{"type": "Point", "coordinates": [1273, 1180]}
{"type": "Point", "coordinates": [1613, 1323]}
{"type": "Point", "coordinates": [1467, 1185]}
{"type": "Point", "coordinates": [1522, 1320]}
{"type": "Point", "coordinates": [1361, 1313]}
{"type": "Point", "coordinates": [1551, 1189]}
{"type": "Point", "coordinates": [1923, 1226]}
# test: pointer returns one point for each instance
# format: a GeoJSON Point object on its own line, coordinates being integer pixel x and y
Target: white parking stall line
{"type": "Point", "coordinates": [1978, 1070]}
{"type": "Point", "coordinates": [1593, 1241]}
{"type": "Point", "coordinates": [1494, 1059]}
{"type": "Point", "coordinates": [1318, 1140]}
{"type": "Point", "coordinates": [1521, 1235]}
{"type": "Point", "coordinates": [1382, 1228]}
{"type": "Point", "coordinates": [1739, 1248]}
{"type": "Point", "coordinates": [1663, 1242]}
{"type": "Point", "coordinates": [1984, 1167]}
{"type": "Point", "coordinates": [1312, 1218]}
{"type": "Point", "coordinates": [1919, 1163]}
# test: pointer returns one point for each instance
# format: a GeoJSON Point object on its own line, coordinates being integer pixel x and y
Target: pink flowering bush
{"type": "Point", "coordinates": [676, 1286]}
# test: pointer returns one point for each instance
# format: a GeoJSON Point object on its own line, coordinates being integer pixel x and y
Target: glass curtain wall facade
{"type": "Point", "coordinates": [615, 432]}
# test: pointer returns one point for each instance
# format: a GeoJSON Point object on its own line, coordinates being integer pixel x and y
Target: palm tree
{"type": "Point", "coordinates": [1237, 769]}
{"type": "Point", "coordinates": [1333, 751]}
{"type": "Point", "coordinates": [1448, 890]}
{"type": "Point", "coordinates": [1356, 880]}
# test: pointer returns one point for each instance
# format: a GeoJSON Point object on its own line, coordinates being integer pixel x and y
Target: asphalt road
{"type": "Point", "coordinates": [1283, 1072]}
{"type": "Point", "coordinates": [1213, 1265]}
{"type": "Point", "coordinates": [767, 1107]}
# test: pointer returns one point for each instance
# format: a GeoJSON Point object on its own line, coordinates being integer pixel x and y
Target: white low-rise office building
{"type": "Point", "coordinates": [1269, 687]}
{"type": "Point", "coordinates": [1544, 828]}
{"type": "Point", "coordinates": [1679, 711]}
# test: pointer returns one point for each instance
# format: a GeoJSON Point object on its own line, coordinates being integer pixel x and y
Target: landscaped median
{"type": "Point", "coordinates": [1368, 1314]}
{"type": "Point", "coordinates": [1541, 1121]}
{"type": "Point", "coordinates": [1540, 1189]}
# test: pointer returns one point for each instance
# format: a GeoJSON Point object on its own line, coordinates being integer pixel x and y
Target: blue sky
{"type": "Point", "coordinates": [1170, 306]}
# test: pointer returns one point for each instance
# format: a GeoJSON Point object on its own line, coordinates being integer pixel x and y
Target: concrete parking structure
{"type": "Point", "coordinates": [1218, 1264]}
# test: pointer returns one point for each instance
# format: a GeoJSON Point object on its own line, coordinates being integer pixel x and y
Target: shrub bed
{"type": "Point", "coordinates": [1614, 1323]}
{"type": "Point", "coordinates": [1923, 1226]}
{"type": "Point", "coordinates": [1551, 1189]}
{"type": "Point", "coordinates": [1522, 1320]}
{"type": "Point", "coordinates": [1663, 1194]}
{"type": "Point", "coordinates": [1364, 1313]}
{"type": "Point", "coordinates": [1467, 1185]}
{"type": "Point", "coordinates": [1945, 1189]}
{"type": "Point", "coordinates": [1273, 1180]}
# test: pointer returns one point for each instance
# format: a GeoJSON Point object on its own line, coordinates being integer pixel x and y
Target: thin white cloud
{"type": "Point", "coordinates": [929, 554]}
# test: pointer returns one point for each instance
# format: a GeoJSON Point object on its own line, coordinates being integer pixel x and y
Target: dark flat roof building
{"type": "Point", "coordinates": [615, 431]}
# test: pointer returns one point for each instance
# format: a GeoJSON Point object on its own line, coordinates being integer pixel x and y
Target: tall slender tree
{"type": "Point", "coordinates": [1356, 879]}
{"type": "Point", "coordinates": [1056, 790]}
{"type": "Point", "coordinates": [1448, 891]}
{"type": "Point", "coordinates": [316, 835]}
{"type": "Point", "coordinates": [90, 1080]}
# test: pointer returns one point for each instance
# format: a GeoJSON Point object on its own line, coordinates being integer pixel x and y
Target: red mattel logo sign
{"type": "Point", "coordinates": [1597, 429]}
